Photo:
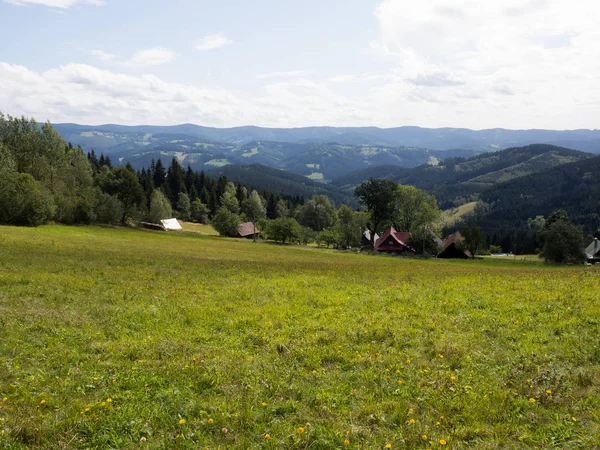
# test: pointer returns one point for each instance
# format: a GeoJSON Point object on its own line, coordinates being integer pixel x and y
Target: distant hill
{"type": "Point", "coordinates": [321, 162]}
{"type": "Point", "coordinates": [105, 137]}
{"type": "Point", "coordinates": [574, 187]}
{"type": "Point", "coordinates": [262, 177]}
{"type": "Point", "coordinates": [456, 181]}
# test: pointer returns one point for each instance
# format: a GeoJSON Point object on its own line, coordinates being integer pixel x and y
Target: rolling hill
{"type": "Point", "coordinates": [258, 176]}
{"type": "Point", "coordinates": [456, 181]}
{"type": "Point", "coordinates": [574, 187]}
{"type": "Point", "coordinates": [105, 137]}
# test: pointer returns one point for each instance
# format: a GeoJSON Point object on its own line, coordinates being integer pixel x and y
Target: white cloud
{"type": "Point", "coordinates": [213, 41]}
{"type": "Point", "coordinates": [83, 93]}
{"type": "Point", "coordinates": [61, 4]}
{"type": "Point", "coordinates": [513, 63]}
{"type": "Point", "coordinates": [150, 57]}
{"type": "Point", "coordinates": [289, 74]}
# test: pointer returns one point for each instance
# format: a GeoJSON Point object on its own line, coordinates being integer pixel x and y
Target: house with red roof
{"type": "Point", "coordinates": [393, 241]}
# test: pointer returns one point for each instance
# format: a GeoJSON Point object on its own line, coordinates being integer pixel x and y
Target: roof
{"type": "Point", "coordinates": [170, 224]}
{"type": "Point", "coordinates": [452, 239]}
{"type": "Point", "coordinates": [593, 250]}
{"type": "Point", "coordinates": [247, 229]}
{"type": "Point", "coordinates": [367, 235]}
{"type": "Point", "coordinates": [400, 237]}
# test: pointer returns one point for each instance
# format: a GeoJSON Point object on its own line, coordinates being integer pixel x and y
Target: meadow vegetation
{"type": "Point", "coordinates": [121, 338]}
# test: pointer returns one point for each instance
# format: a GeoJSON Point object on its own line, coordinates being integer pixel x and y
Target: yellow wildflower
{"type": "Point", "coordinates": [267, 436]}
{"type": "Point", "coordinates": [103, 403]}
{"type": "Point", "coordinates": [42, 402]}
{"type": "Point", "coordinates": [443, 442]}
{"type": "Point", "coordinates": [87, 409]}
{"type": "Point", "coordinates": [411, 421]}
{"type": "Point", "coordinates": [574, 419]}
{"type": "Point", "coordinates": [210, 420]}
{"type": "Point", "coordinates": [532, 400]}
{"type": "Point", "coordinates": [424, 437]}
{"type": "Point", "coordinates": [346, 442]}
{"type": "Point", "coordinates": [548, 391]}
{"type": "Point", "coordinates": [300, 430]}
{"type": "Point", "coordinates": [388, 445]}
{"type": "Point", "coordinates": [109, 400]}
{"type": "Point", "coordinates": [410, 410]}
{"type": "Point", "coordinates": [5, 399]}
{"type": "Point", "coordinates": [263, 404]}
{"type": "Point", "coordinates": [453, 378]}
{"type": "Point", "coordinates": [181, 421]}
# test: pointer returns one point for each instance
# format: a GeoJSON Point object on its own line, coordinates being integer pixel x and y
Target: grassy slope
{"type": "Point", "coordinates": [374, 350]}
{"type": "Point", "coordinates": [452, 216]}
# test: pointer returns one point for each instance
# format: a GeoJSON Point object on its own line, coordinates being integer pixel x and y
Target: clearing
{"type": "Point", "coordinates": [113, 338]}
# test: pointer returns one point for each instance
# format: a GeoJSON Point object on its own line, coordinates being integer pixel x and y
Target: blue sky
{"type": "Point", "coordinates": [460, 63]}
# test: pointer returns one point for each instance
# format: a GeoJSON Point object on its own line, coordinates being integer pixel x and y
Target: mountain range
{"type": "Point", "coordinates": [511, 175]}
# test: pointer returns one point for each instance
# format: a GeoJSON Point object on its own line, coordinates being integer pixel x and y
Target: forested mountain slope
{"type": "Point", "coordinates": [573, 187]}
{"type": "Point", "coordinates": [457, 180]}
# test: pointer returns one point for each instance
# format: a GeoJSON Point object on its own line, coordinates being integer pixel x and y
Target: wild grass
{"type": "Point", "coordinates": [119, 338]}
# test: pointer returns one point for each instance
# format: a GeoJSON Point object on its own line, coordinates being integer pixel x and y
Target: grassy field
{"type": "Point", "coordinates": [119, 338]}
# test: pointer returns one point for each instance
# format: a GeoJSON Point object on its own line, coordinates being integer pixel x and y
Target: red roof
{"type": "Point", "coordinates": [393, 240]}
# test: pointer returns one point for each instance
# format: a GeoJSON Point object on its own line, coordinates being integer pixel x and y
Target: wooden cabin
{"type": "Point", "coordinates": [451, 247]}
{"type": "Point", "coordinates": [248, 230]}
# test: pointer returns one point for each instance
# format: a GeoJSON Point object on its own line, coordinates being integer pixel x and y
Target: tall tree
{"type": "Point", "coordinates": [562, 239]}
{"type": "Point", "coordinates": [379, 197]}
{"type": "Point", "coordinates": [415, 209]}
{"type": "Point", "coordinates": [474, 238]}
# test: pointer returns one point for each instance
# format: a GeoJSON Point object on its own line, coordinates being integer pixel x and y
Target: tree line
{"type": "Point", "coordinates": [43, 178]}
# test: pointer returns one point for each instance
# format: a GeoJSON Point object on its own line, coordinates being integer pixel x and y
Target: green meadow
{"type": "Point", "coordinates": [123, 338]}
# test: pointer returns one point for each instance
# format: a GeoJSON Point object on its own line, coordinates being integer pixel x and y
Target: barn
{"type": "Point", "coordinates": [451, 247]}
{"type": "Point", "coordinates": [393, 241]}
{"type": "Point", "coordinates": [248, 230]}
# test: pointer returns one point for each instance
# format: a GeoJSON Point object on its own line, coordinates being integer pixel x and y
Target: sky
{"type": "Point", "coordinates": [515, 64]}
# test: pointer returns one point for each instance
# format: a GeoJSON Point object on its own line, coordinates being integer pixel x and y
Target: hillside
{"type": "Point", "coordinates": [574, 187]}
{"type": "Point", "coordinates": [105, 137]}
{"type": "Point", "coordinates": [457, 180]}
{"type": "Point", "coordinates": [259, 177]}
{"type": "Point", "coordinates": [322, 162]}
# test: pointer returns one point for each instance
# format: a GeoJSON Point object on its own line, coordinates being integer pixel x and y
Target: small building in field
{"type": "Point", "coordinates": [163, 225]}
{"type": "Point", "coordinates": [393, 241]}
{"type": "Point", "coordinates": [451, 247]}
{"type": "Point", "coordinates": [248, 230]}
{"type": "Point", "coordinates": [592, 252]}
{"type": "Point", "coordinates": [171, 224]}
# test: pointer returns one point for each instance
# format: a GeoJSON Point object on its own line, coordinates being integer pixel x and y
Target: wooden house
{"type": "Point", "coordinates": [393, 241]}
{"type": "Point", "coordinates": [451, 247]}
{"type": "Point", "coordinates": [248, 230]}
